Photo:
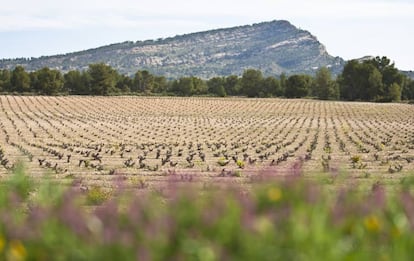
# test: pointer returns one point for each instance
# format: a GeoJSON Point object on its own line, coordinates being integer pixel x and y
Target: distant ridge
{"type": "Point", "coordinates": [273, 47]}
{"type": "Point", "coordinates": [410, 74]}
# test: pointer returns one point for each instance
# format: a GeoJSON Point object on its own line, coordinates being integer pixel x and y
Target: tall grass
{"type": "Point", "coordinates": [286, 218]}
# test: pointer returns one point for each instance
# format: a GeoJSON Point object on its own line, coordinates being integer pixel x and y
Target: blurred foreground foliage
{"type": "Point", "coordinates": [288, 218]}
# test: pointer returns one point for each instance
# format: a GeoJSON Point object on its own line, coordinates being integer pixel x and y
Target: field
{"type": "Point", "coordinates": [132, 178]}
{"type": "Point", "coordinates": [149, 138]}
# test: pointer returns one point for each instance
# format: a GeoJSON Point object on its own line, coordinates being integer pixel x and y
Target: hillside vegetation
{"type": "Point", "coordinates": [375, 79]}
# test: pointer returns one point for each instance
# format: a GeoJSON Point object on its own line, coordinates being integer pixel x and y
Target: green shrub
{"type": "Point", "coordinates": [222, 161]}
{"type": "Point", "coordinates": [240, 164]}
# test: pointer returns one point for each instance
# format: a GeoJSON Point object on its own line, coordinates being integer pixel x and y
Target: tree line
{"type": "Point", "coordinates": [376, 79]}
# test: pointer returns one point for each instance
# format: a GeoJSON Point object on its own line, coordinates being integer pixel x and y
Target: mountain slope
{"type": "Point", "coordinates": [273, 47]}
{"type": "Point", "coordinates": [409, 74]}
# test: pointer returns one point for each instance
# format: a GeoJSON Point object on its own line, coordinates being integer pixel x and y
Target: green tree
{"type": "Point", "coordinates": [5, 85]}
{"type": "Point", "coordinates": [160, 84]}
{"type": "Point", "coordinates": [348, 82]}
{"type": "Point", "coordinates": [370, 80]}
{"type": "Point", "coordinates": [324, 87]}
{"type": "Point", "coordinates": [34, 87]}
{"type": "Point", "coordinates": [394, 92]}
{"type": "Point", "coordinates": [374, 87]}
{"type": "Point", "coordinates": [216, 86]}
{"type": "Point", "coordinates": [20, 80]}
{"type": "Point", "coordinates": [49, 82]}
{"type": "Point", "coordinates": [232, 85]}
{"type": "Point", "coordinates": [251, 82]}
{"type": "Point", "coordinates": [184, 86]}
{"type": "Point", "coordinates": [143, 82]}
{"type": "Point", "coordinates": [77, 83]}
{"type": "Point", "coordinates": [360, 81]}
{"type": "Point", "coordinates": [389, 73]}
{"type": "Point", "coordinates": [124, 83]}
{"type": "Point", "coordinates": [407, 92]}
{"type": "Point", "coordinates": [199, 86]}
{"type": "Point", "coordinates": [298, 86]}
{"type": "Point", "coordinates": [102, 79]}
{"type": "Point", "coordinates": [270, 87]}
{"type": "Point", "coordinates": [283, 81]}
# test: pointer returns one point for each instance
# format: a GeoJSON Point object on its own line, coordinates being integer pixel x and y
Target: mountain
{"type": "Point", "coordinates": [272, 47]}
{"type": "Point", "coordinates": [410, 74]}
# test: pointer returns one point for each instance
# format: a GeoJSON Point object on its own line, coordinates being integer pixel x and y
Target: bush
{"type": "Point", "coordinates": [222, 162]}
{"type": "Point", "coordinates": [240, 164]}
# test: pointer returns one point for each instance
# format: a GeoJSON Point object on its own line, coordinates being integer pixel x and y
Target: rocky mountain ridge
{"type": "Point", "coordinates": [273, 47]}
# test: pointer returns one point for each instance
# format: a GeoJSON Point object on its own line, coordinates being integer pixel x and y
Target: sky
{"type": "Point", "coordinates": [348, 28]}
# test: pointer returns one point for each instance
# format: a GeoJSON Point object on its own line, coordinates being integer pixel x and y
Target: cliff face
{"type": "Point", "coordinates": [272, 47]}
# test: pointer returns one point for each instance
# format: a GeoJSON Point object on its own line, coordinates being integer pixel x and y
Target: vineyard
{"type": "Point", "coordinates": [151, 138]}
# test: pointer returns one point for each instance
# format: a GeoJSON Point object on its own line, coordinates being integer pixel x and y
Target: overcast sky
{"type": "Point", "coordinates": [348, 28]}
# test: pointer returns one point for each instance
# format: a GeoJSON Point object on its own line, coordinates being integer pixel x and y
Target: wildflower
{"type": "Point", "coordinates": [372, 223]}
{"type": "Point", "coordinates": [17, 251]}
{"type": "Point", "coordinates": [274, 194]}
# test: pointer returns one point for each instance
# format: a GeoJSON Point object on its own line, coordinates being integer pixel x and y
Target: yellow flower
{"type": "Point", "coordinates": [372, 223]}
{"type": "Point", "coordinates": [274, 194]}
{"type": "Point", "coordinates": [17, 252]}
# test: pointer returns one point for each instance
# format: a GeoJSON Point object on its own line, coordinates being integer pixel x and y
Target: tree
{"type": "Point", "coordinates": [371, 80]}
{"type": "Point", "coordinates": [160, 84]}
{"type": "Point", "coordinates": [216, 86]}
{"type": "Point", "coordinates": [34, 82]}
{"type": "Point", "coordinates": [20, 80]}
{"type": "Point", "coordinates": [251, 82]}
{"type": "Point", "coordinates": [184, 86]}
{"type": "Point", "coordinates": [124, 83]}
{"type": "Point", "coordinates": [232, 85]}
{"type": "Point", "coordinates": [407, 92]}
{"type": "Point", "coordinates": [374, 87]}
{"type": "Point", "coordinates": [389, 73]}
{"type": "Point", "coordinates": [5, 85]}
{"type": "Point", "coordinates": [348, 81]}
{"type": "Point", "coordinates": [270, 87]}
{"type": "Point", "coordinates": [49, 82]}
{"type": "Point", "coordinates": [102, 79]}
{"type": "Point", "coordinates": [283, 80]}
{"type": "Point", "coordinates": [143, 82]}
{"type": "Point", "coordinates": [324, 87]}
{"type": "Point", "coordinates": [361, 81]}
{"type": "Point", "coordinates": [394, 92]}
{"type": "Point", "coordinates": [76, 82]}
{"type": "Point", "coordinates": [199, 86]}
{"type": "Point", "coordinates": [298, 86]}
